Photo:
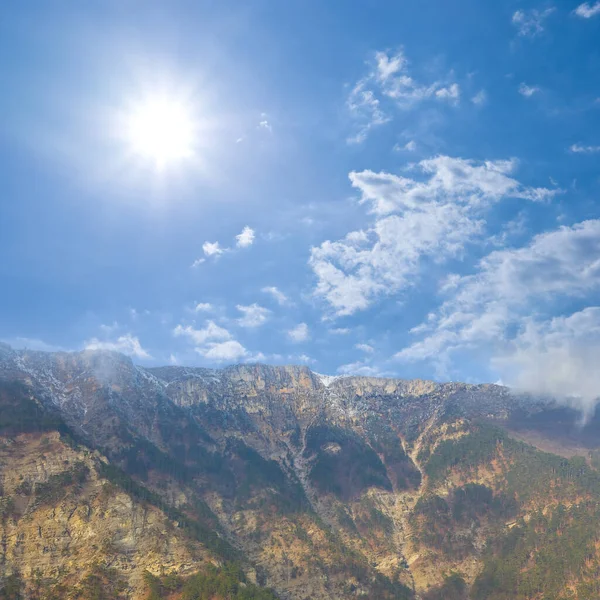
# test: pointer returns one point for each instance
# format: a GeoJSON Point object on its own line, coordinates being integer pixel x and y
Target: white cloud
{"type": "Point", "coordinates": [299, 333]}
{"type": "Point", "coordinates": [365, 348]}
{"type": "Point", "coordinates": [450, 93]}
{"type": "Point", "coordinates": [389, 79]}
{"type": "Point", "coordinates": [508, 307]}
{"type": "Point", "coordinates": [173, 360]}
{"type": "Point", "coordinates": [530, 23]}
{"type": "Point", "coordinates": [126, 344]}
{"type": "Point", "coordinates": [215, 343]}
{"type": "Point", "coordinates": [212, 332]}
{"type": "Point", "coordinates": [580, 149]}
{"type": "Point", "coordinates": [415, 219]}
{"type": "Point", "coordinates": [366, 108]}
{"type": "Point", "coordinates": [223, 351]}
{"type": "Point", "coordinates": [480, 98]}
{"type": "Point", "coordinates": [340, 331]}
{"type": "Point", "coordinates": [203, 307]}
{"type": "Point", "coordinates": [587, 10]}
{"type": "Point", "coordinates": [359, 368]}
{"type": "Point", "coordinates": [112, 328]}
{"type": "Point", "coordinates": [264, 124]}
{"type": "Point", "coordinates": [558, 357]}
{"type": "Point", "coordinates": [212, 249]}
{"type": "Point", "coordinates": [253, 315]}
{"type": "Point", "coordinates": [304, 358]}
{"type": "Point", "coordinates": [410, 146]}
{"type": "Point", "coordinates": [279, 296]}
{"type": "Point", "coordinates": [198, 262]}
{"type": "Point", "coordinates": [246, 238]}
{"type": "Point", "coordinates": [528, 90]}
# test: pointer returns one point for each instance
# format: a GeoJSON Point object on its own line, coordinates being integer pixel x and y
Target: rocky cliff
{"type": "Point", "coordinates": [318, 487]}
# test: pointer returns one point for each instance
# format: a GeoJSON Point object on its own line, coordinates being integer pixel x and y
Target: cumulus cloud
{"type": "Point", "coordinates": [211, 332]}
{"type": "Point", "coordinates": [581, 149]}
{"type": "Point", "coordinates": [277, 294]}
{"type": "Point", "coordinates": [530, 23]}
{"type": "Point", "coordinates": [253, 315]}
{"type": "Point", "coordinates": [431, 217]}
{"type": "Point", "coordinates": [212, 249]}
{"type": "Point", "coordinates": [389, 79]}
{"type": "Point", "coordinates": [299, 333]}
{"type": "Point", "coordinates": [246, 238]}
{"type": "Point", "coordinates": [528, 90]}
{"type": "Point", "coordinates": [587, 10]}
{"type": "Point", "coordinates": [126, 344]}
{"type": "Point", "coordinates": [508, 307]}
{"type": "Point", "coordinates": [215, 343]}
{"type": "Point", "coordinates": [230, 350]}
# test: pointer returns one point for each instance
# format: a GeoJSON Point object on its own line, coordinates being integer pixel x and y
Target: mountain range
{"type": "Point", "coordinates": [255, 481]}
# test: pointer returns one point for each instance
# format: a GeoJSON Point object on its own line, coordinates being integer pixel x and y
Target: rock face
{"type": "Point", "coordinates": [320, 487]}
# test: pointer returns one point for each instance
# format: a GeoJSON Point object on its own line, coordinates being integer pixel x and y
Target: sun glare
{"type": "Point", "coordinates": [161, 130]}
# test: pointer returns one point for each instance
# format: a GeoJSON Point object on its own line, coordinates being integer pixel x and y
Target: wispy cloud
{"type": "Point", "coordinates": [126, 344]}
{"type": "Point", "coordinates": [340, 331]}
{"type": "Point", "coordinates": [413, 219]}
{"type": "Point", "coordinates": [450, 93]}
{"type": "Point", "coordinates": [581, 149]}
{"type": "Point", "coordinates": [277, 294]}
{"type": "Point", "coordinates": [299, 333]}
{"type": "Point", "coordinates": [365, 348]}
{"type": "Point", "coordinates": [253, 315]}
{"type": "Point", "coordinates": [203, 307]}
{"type": "Point", "coordinates": [587, 10]}
{"type": "Point", "coordinates": [528, 90]}
{"type": "Point", "coordinates": [530, 23]}
{"type": "Point", "coordinates": [480, 98]}
{"type": "Point", "coordinates": [389, 79]}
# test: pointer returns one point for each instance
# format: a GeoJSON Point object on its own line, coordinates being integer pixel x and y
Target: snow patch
{"type": "Point", "coordinates": [327, 380]}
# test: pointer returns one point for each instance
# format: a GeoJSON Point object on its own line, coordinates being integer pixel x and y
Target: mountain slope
{"type": "Point", "coordinates": [318, 487]}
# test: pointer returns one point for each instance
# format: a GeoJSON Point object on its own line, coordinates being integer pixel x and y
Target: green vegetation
{"type": "Point", "coordinates": [57, 486]}
{"type": "Point", "coordinates": [537, 558]}
{"type": "Point", "coordinates": [466, 452]}
{"type": "Point", "coordinates": [209, 584]}
{"type": "Point", "coordinates": [453, 588]}
{"type": "Point", "coordinates": [387, 443]}
{"type": "Point", "coordinates": [254, 473]}
{"type": "Point", "coordinates": [12, 587]}
{"type": "Point", "coordinates": [20, 412]}
{"type": "Point", "coordinates": [349, 468]}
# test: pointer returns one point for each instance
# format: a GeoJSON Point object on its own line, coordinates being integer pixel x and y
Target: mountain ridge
{"type": "Point", "coordinates": [319, 488]}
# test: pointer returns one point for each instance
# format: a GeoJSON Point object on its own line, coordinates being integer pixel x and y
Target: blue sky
{"type": "Point", "coordinates": [407, 188]}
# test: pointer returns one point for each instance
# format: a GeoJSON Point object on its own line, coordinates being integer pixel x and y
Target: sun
{"type": "Point", "coordinates": [161, 130]}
